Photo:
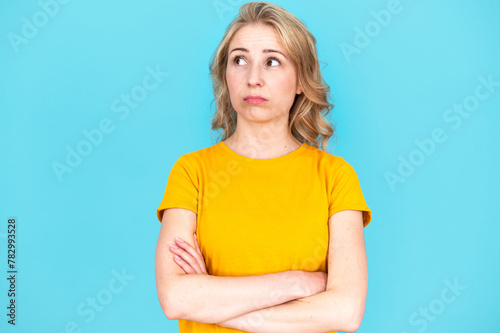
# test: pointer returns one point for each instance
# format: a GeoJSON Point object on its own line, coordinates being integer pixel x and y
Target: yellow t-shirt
{"type": "Point", "coordinates": [258, 216]}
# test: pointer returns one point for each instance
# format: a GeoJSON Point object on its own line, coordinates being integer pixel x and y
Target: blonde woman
{"type": "Point", "coordinates": [263, 231]}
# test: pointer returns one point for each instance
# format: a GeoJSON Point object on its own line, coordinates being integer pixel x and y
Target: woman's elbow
{"type": "Point", "coordinates": [168, 305]}
{"type": "Point", "coordinates": [351, 328]}
{"type": "Point", "coordinates": [353, 324]}
{"type": "Point", "coordinates": [170, 312]}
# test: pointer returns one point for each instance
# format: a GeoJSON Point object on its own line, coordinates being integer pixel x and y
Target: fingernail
{"type": "Point", "coordinates": [180, 240]}
{"type": "Point", "coordinates": [174, 246]}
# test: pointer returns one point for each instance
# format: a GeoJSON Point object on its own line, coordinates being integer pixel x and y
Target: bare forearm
{"type": "Point", "coordinates": [323, 312]}
{"type": "Point", "coordinates": [212, 299]}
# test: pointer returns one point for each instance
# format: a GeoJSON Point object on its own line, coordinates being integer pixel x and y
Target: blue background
{"type": "Point", "coordinates": [77, 231]}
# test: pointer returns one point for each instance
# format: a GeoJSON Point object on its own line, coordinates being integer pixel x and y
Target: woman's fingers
{"type": "Point", "coordinates": [186, 261]}
{"type": "Point", "coordinates": [178, 259]}
{"type": "Point", "coordinates": [185, 267]}
{"type": "Point", "coordinates": [191, 258]}
{"type": "Point", "coordinates": [201, 260]}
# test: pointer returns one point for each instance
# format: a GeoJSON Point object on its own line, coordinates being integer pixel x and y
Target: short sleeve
{"type": "Point", "coordinates": [182, 188]}
{"type": "Point", "coordinates": [346, 193]}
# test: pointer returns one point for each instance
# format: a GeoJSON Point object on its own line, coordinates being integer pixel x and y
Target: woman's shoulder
{"type": "Point", "coordinates": [199, 157]}
{"type": "Point", "coordinates": [324, 156]}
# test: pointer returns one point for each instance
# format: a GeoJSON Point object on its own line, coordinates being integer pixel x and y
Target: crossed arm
{"type": "Point", "coordinates": [339, 306]}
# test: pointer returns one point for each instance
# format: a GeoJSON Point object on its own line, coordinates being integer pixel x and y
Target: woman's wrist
{"type": "Point", "coordinates": [293, 283]}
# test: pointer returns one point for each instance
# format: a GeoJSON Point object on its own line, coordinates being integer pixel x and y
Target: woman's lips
{"type": "Point", "coordinates": [255, 100]}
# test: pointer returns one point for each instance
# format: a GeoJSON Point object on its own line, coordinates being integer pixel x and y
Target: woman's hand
{"type": "Point", "coordinates": [315, 282]}
{"type": "Point", "coordinates": [189, 259]}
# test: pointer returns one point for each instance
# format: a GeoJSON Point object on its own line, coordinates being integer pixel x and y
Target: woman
{"type": "Point", "coordinates": [263, 231]}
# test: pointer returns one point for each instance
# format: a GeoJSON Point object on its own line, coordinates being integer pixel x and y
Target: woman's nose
{"type": "Point", "coordinates": [255, 75]}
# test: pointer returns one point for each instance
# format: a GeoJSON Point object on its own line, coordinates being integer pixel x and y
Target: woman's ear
{"type": "Point", "coordinates": [299, 90]}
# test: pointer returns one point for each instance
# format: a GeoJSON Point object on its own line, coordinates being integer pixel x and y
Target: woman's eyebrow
{"type": "Point", "coordinates": [263, 51]}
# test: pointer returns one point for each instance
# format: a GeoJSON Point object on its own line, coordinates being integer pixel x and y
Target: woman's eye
{"type": "Point", "coordinates": [269, 61]}
{"type": "Point", "coordinates": [275, 60]}
{"type": "Point", "coordinates": [236, 60]}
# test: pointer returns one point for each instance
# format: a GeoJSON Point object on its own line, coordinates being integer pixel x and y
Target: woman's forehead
{"type": "Point", "coordinates": [261, 37]}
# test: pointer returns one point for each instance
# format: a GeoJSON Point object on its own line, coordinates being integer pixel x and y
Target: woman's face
{"type": "Point", "coordinates": [259, 66]}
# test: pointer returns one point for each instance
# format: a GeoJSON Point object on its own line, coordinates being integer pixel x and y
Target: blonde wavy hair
{"type": "Point", "coordinates": [307, 121]}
